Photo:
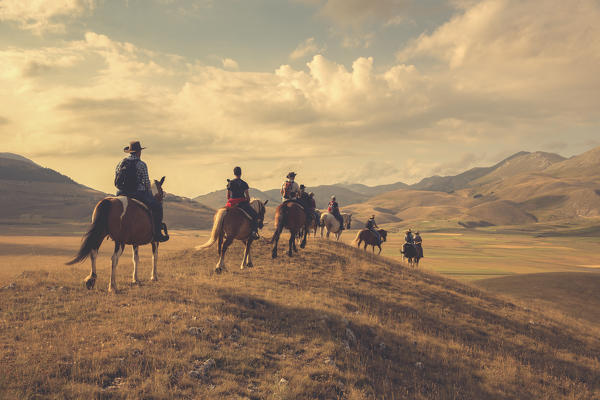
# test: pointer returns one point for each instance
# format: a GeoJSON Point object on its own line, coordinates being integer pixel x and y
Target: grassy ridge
{"type": "Point", "coordinates": [329, 323]}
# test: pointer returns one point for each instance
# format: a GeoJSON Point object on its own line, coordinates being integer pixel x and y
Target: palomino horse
{"type": "Point", "coordinates": [289, 215]}
{"type": "Point", "coordinates": [329, 222]}
{"type": "Point", "coordinates": [232, 223]}
{"type": "Point", "coordinates": [369, 239]}
{"type": "Point", "coordinates": [126, 221]}
{"type": "Point", "coordinates": [410, 253]}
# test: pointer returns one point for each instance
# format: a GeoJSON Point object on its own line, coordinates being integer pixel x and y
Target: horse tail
{"type": "Point", "coordinates": [279, 216]}
{"type": "Point", "coordinates": [356, 239]}
{"type": "Point", "coordinates": [216, 230]}
{"type": "Point", "coordinates": [95, 234]}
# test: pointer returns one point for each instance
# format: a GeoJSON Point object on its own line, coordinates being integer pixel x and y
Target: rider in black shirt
{"type": "Point", "coordinates": [237, 195]}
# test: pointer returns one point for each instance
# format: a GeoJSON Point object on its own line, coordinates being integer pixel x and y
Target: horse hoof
{"type": "Point", "coordinates": [250, 265]}
{"type": "Point", "coordinates": [113, 290]}
{"type": "Point", "coordinates": [89, 283]}
{"type": "Point", "coordinates": [302, 245]}
{"type": "Point", "coordinates": [274, 254]}
{"type": "Point", "coordinates": [290, 254]}
{"type": "Point", "coordinates": [153, 279]}
{"type": "Point", "coordinates": [218, 270]}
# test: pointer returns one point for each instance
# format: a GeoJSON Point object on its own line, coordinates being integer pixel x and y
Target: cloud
{"type": "Point", "coordinates": [355, 13]}
{"type": "Point", "coordinates": [40, 16]}
{"type": "Point", "coordinates": [498, 69]}
{"type": "Point", "coordinates": [306, 48]}
{"type": "Point", "coordinates": [452, 167]}
{"type": "Point", "coordinates": [229, 63]}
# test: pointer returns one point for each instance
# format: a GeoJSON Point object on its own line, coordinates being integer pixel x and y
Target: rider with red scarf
{"type": "Point", "coordinates": [238, 196]}
{"type": "Point", "coordinates": [334, 209]}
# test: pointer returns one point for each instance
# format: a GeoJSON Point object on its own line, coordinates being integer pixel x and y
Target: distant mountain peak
{"type": "Point", "coordinates": [13, 156]}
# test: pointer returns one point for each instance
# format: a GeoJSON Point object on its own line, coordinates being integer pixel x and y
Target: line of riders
{"type": "Point", "coordinates": [132, 180]}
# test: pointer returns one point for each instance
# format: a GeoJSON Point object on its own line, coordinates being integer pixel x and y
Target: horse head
{"type": "Point", "coordinates": [383, 234]}
{"type": "Point", "coordinates": [259, 206]}
{"type": "Point", "coordinates": [157, 187]}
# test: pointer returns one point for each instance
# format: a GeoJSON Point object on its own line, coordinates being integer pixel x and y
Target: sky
{"type": "Point", "coordinates": [356, 91]}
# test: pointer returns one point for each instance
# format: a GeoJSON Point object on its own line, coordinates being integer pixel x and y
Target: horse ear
{"type": "Point", "coordinates": [265, 203]}
{"type": "Point", "coordinates": [162, 180]}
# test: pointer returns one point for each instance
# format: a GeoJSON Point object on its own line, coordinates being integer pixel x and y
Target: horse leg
{"type": "Point", "coordinates": [154, 276]}
{"type": "Point", "coordinates": [303, 243]}
{"type": "Point", "coordinates": [245, 258]}
{"type": "Point", "coordinates": [365, 248]}
{"type": "Point", "coordinates": [379, 249]}
{"type": "Point", "coordinates": [136, 259]}
{"type": "Point", "coordinates": [296, 236]}
{"type": "Point", "coordinates": [90, 280]}
{"type": "Point", "coordinates": [291, 243]}
{"type": "Point", "coordinates": [275, 241]}
{"type": "Point", "coordinates": [112, 285]}
{"type": "Point", "coordinates": [249, 263]}
{"type": "Point", "coordinates": [221, 264]}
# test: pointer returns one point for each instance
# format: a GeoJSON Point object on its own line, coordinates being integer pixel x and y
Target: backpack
{"type": "Point", "coordinates": [126, 176]}
{"type": "Point", "coordinates": [287, 189]}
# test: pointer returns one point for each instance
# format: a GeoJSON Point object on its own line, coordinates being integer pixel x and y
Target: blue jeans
{"type": "Point", "coordinates": [154, 205]}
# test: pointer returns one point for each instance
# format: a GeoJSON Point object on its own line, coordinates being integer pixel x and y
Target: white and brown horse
{"type": "Point", "coordinates": [230, 224]}
{"type": "Point", "coordinates": [331, 223]}
{"type": "Point", "coordinates": [127, 222]}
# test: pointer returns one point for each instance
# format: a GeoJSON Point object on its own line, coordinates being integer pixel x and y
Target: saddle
{"type": "Point", "coordinates": [294, 201]}
{"type": "Point", "coordinates": [242, 210]}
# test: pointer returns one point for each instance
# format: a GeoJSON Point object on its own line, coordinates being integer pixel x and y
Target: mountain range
{"type": "Point", "coordinates": [523, 189]}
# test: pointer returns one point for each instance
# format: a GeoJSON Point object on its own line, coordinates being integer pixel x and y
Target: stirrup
{"type": "Point", "coordinates": [254, 235]}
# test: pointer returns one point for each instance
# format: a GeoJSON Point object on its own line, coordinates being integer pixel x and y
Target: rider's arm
{"type": "Point", "coordinates": [142, 175]}
{"type": "Point", "coordinates": [228, 194]}
{"type": "Point", "coordinates": [247, 195]}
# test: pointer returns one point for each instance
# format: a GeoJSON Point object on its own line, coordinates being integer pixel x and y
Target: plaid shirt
{"type": "Point", "coordinates": [143, 181]}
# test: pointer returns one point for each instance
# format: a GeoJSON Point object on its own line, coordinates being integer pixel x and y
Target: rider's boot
{"type": "Point", "coordinates": [157, 214]}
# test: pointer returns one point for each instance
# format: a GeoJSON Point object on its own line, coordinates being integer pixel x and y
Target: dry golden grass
{"type": "Point", "coordinates": [330, 323]}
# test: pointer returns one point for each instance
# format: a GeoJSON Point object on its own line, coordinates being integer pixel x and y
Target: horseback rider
{"type": "Point", "coordinates": [237, 195]}
{"type": "Point", "coordinates": [334, 209]}
{"type": "Point", "coordinates": [308, 203]}
{"type": "Point", "coordinates": [409, 237]}
{"type": "Point", "coordinates": [419, 244]}
{"type": "Point", "coordinates": [289, 189]}
{"type": "Point", "coordinates": [131, 180]}
{"type": "Point", "coordinates": [371, 225]}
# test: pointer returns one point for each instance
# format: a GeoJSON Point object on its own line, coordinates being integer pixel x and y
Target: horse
{"type": "Point", "coordinates": [127, 222]}
{"type": "Point", "coordinates": [315, 222]}
{"type": "Point", "coordinates": [410, 253]}
{"type": "Point", "coordinates": [289, 215]}
{"type": "Point", "coordinates": [368, 238]}
{"type": "Point", "coordinates": [232, 223]}
{"type": "Point", "coordinates": [333, 225]}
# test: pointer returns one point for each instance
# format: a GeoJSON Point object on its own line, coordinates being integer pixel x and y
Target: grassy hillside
{"type": "Point", "coordinates": [38, 199]}
{"type": "Point", "coordinates": [329, 323]}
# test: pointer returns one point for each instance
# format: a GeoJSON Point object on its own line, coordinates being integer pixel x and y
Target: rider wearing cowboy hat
{"type": "Point", "coordinates": [409, 237]}
{"type": "Point", "coordinates": [334, 209]}
{"type": "Point", "coordinates": [371, 225]}
{"type": "Point", "coordinates": [290, 189]}
{"type": "Point", "coordinates": [141, 190]}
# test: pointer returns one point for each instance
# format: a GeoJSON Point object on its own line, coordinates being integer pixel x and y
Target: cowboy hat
{"type": "Point", "coordinates": [133, 147]}
{"type": "Point", "coordinates": [291, 175]}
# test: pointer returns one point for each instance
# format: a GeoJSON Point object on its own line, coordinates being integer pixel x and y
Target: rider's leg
{"type": "Point", "coordinates": [254, 221]}
{"type": "Point", "coordinates": [157, 216]}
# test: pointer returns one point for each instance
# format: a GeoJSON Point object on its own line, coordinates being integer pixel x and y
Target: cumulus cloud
{"type": "Point", "coordinates": [229, 63]}
{"type": "Point", "coordinates": [500, 68]}
{"type": "Point", "coordinates": [306, 48]}
{"type": "Point", "coordinates": [40, 16]}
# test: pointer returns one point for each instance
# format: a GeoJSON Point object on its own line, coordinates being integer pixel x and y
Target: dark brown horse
{"type": "Point", "coordinates": [230, 224]}
{"type": "Point", "coordinates": [411, 254]}
{"type": "Point", "coordinates": [125, 221]}
{"type": "Point", "coordinates": [289, 215]}
{"type": "Point", "coordinates": [369, 239]}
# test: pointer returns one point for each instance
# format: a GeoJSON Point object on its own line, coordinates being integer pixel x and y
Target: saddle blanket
{"type": "Point", "coordinates": [241, 209]}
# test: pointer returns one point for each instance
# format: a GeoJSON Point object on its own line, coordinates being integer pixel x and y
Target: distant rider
{"type": "Point", "coordinates": [419, 244]}
{"type": "Point", "coordinates": [334, 209]}
{"type": "Point", "coordinates": [371, 225]}
{"type": "Point", "coordinates": [307, 202]}
{"type": "Point", "coordinates": [131, 180]}
{"type": "Point", "coordinates": [237, 195]}
{"type": "Point", "coordinates": [409, 237]}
